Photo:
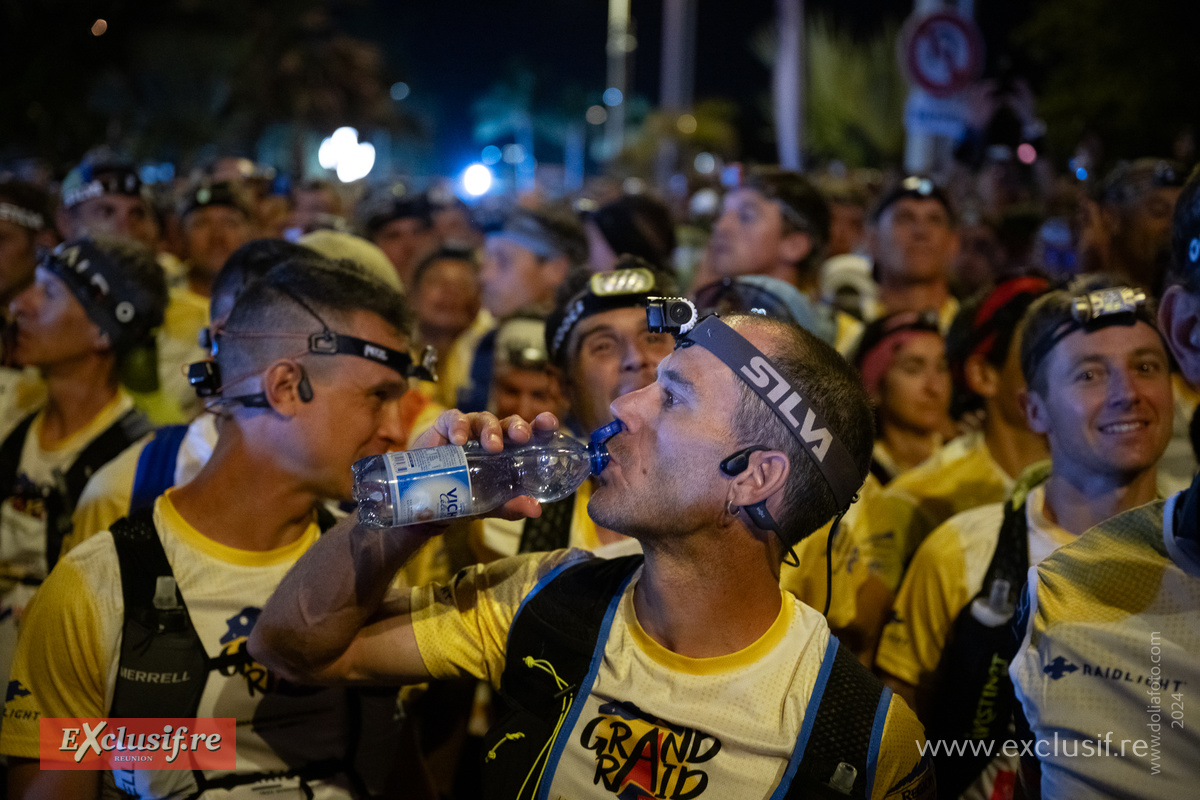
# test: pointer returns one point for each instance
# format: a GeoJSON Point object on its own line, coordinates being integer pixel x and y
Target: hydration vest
{"type": "Point", "coordinates": [555, 647]}
{"type": "Point", "coordinates": [975, 695]}
{"type": "Point", "coordinates": [60, 501]}
{"type": "Point", "coordinates": [158, 637]}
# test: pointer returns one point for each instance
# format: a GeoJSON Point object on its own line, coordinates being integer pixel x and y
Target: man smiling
{"type": "Point", "coordinates": [1099, 387]}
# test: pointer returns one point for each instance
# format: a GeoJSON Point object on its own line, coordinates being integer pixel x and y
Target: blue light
{"type": "Point", "coordinates": [1081, 174]}
{"type": "Point", "coordinates": [476, 180]}
{"type": "Point", "coordinates": [613, 97]}
{"type": "Point", "coordinates": [491, 155]}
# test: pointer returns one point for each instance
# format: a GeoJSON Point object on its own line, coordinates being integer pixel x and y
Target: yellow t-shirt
{"type": "Point", "coordinates": [807, 581]}
{"type": "Point", "coordinates": [108, 493]}
{"type": "Point", "coordinates": [178, 346]}
{"type": "Point", "coordinates": [1110, 661]}
{"type": "Point", "coordinates": [23, 516]}
{"type": "Point", "coordinates": [945, 575]}
{"type": "Point", "coordinates": [849, 331]}
{"type": "Point", "coordinates": [69, 650]}
{"type": "Point", "coordinates": [748, 707]}
{"type": "Point", "coordinates": [957, 477]}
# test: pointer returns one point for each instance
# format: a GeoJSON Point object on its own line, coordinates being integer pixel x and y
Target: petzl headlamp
{"type": "Point", "coordinates": [205, 376]}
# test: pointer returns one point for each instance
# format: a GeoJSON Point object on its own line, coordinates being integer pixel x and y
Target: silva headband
{"type": "Point", "coordinates": [114, 302]}
{"type": "Point", "coordinates": [1122, 305]}
{"type": "Point", "coordinates": [798, 415]}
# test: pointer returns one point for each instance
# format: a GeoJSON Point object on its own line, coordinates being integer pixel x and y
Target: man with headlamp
{"type": "Point", "coordinates": [1110, 653]}
{"type": "Point", "coordinates": [685, 672]}
{"type": "Point", "coordinates": [1099, 388]}
{"type": "Point", "coordinates": [310, 368]}
{"type": "Point", "coordinates": [92, 304]}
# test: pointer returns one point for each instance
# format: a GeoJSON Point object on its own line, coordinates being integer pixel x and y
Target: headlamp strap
{"type": "Point", "coordinates": [329, 343]}
{"type": "Point", "coordinates": [805, 423]}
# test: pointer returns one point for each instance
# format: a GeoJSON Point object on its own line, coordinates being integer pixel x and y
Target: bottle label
{"type": "Point", "coordinates": [429, 484]}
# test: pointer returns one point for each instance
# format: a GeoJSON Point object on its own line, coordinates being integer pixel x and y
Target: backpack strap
{"type": "Point", "coordinates": [552, 656]}
{"type": "Point", "coordinates": [10, 456]}
{"type": "Point", "coordinates": [163, 665]}
{"type": "Point", "coordinates": [975, 694]}
{"type": "Point", "coordinates": [550, 531]}
{"type": "Point", "coordinates": [838, 747]}
{"type": "Point", "coordinates": [156, 466]}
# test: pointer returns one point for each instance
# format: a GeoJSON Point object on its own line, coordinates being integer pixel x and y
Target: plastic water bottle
{"type": "Point", "coordinates": [408, 487]}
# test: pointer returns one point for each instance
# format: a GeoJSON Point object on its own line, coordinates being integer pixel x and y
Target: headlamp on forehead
{"type": "Point", "coordinates": [1090, 309]}
{"type": "Point", "coordinates": [1090, 312]}
{"type": "Point", "coordinates": [674, 315]}
{"type": "Point", "coordinates": [605, 291]}
{"type": "Point", "coordinates": [918, 184]}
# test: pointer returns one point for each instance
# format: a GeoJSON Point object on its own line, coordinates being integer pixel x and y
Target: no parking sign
{"type": "Point", "coordinates": [943, 52]}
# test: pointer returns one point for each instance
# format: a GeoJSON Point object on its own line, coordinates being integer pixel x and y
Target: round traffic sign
{"type": "Point", "coordinates": [943, 54]}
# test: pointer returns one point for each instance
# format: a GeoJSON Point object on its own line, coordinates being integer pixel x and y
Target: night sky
{"type": "Point", "coordinates": [453, 50]}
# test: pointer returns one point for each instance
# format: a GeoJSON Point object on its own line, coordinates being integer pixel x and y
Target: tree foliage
{"type": "Point", "coordinates": [167, 78]}
{"type": "Point", "coordinates": [854, 104]}
{"type": "Point", "coordinates": [1125, 71]}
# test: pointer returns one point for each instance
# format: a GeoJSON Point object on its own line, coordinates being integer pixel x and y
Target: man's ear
{"type": "Point", "coordinates": [795, 247]}
{"type": "Point", "coordinates": [1179, 322]}
{"type": "Point", "coordinates": [1035, 411]}
{"type": "Point", "coordinates": [281, 385]}
{"type": "Point", "coordinates": [982, 378]}
{"type": "Point", "coordinates": [766, 475]}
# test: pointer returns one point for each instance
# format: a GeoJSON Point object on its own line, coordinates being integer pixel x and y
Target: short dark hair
{"type": "Point", "coordinates": [280, 302]}
{"type": "Point", "coordinates": [832, 388]}
{"type": "Point", "coordinates": [637, 225]}
{"type": "Point", "coordinates": [253, 260]}
{"type": "Point", "coordinates": [809, 212]}
{"type": "Point", "coordinates": [442, 254]}
{"type": "Point", "coordinates": [1053, 310]}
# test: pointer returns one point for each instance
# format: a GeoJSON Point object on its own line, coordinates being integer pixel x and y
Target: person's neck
{"type": "Point", "coordinates": [75, 394]}
{"type": "Point", "coordinates": [200, 282]}
{"type": "Point", "coordinates": [1013, 447]}
{"type": "Point", "coordinates": [1078, 503]}
{"type": "Point", "coordinates": [913, 296]}
{"type": "Point", "coordinates": [244, 499]}
{"type": "Point", "coordinates": [700, 597]}
{"type": "Point", "coordinates": [908, 446]}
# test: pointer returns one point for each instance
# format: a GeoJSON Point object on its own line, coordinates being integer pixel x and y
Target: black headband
{"type": "Point", "coordinates": [117, 304]}
{"type": "Point", "coordinates": [761, 374]}
{"type": "Point", "coordinates": [1090, 312]}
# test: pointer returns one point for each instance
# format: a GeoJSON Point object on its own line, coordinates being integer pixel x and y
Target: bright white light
{"type": "Point", "coordinates": [342, 152]}
{"type": "Point", "coordinates": [705, 163]}
{"type": "Point", "coordinates": [476, 180]}
{"type": "Point", "coordinates": [613, 97]}
{"type": "Point", "coordinates": [490, 155]}
{"type": "Point", "coordinates": [596, 115]}
{"type": "Point", "coordinates": [400, 90]}
{"type": "Point", "coordinates": [356, 164]}
{"type": "Point", "coordinates": [513, 154]}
